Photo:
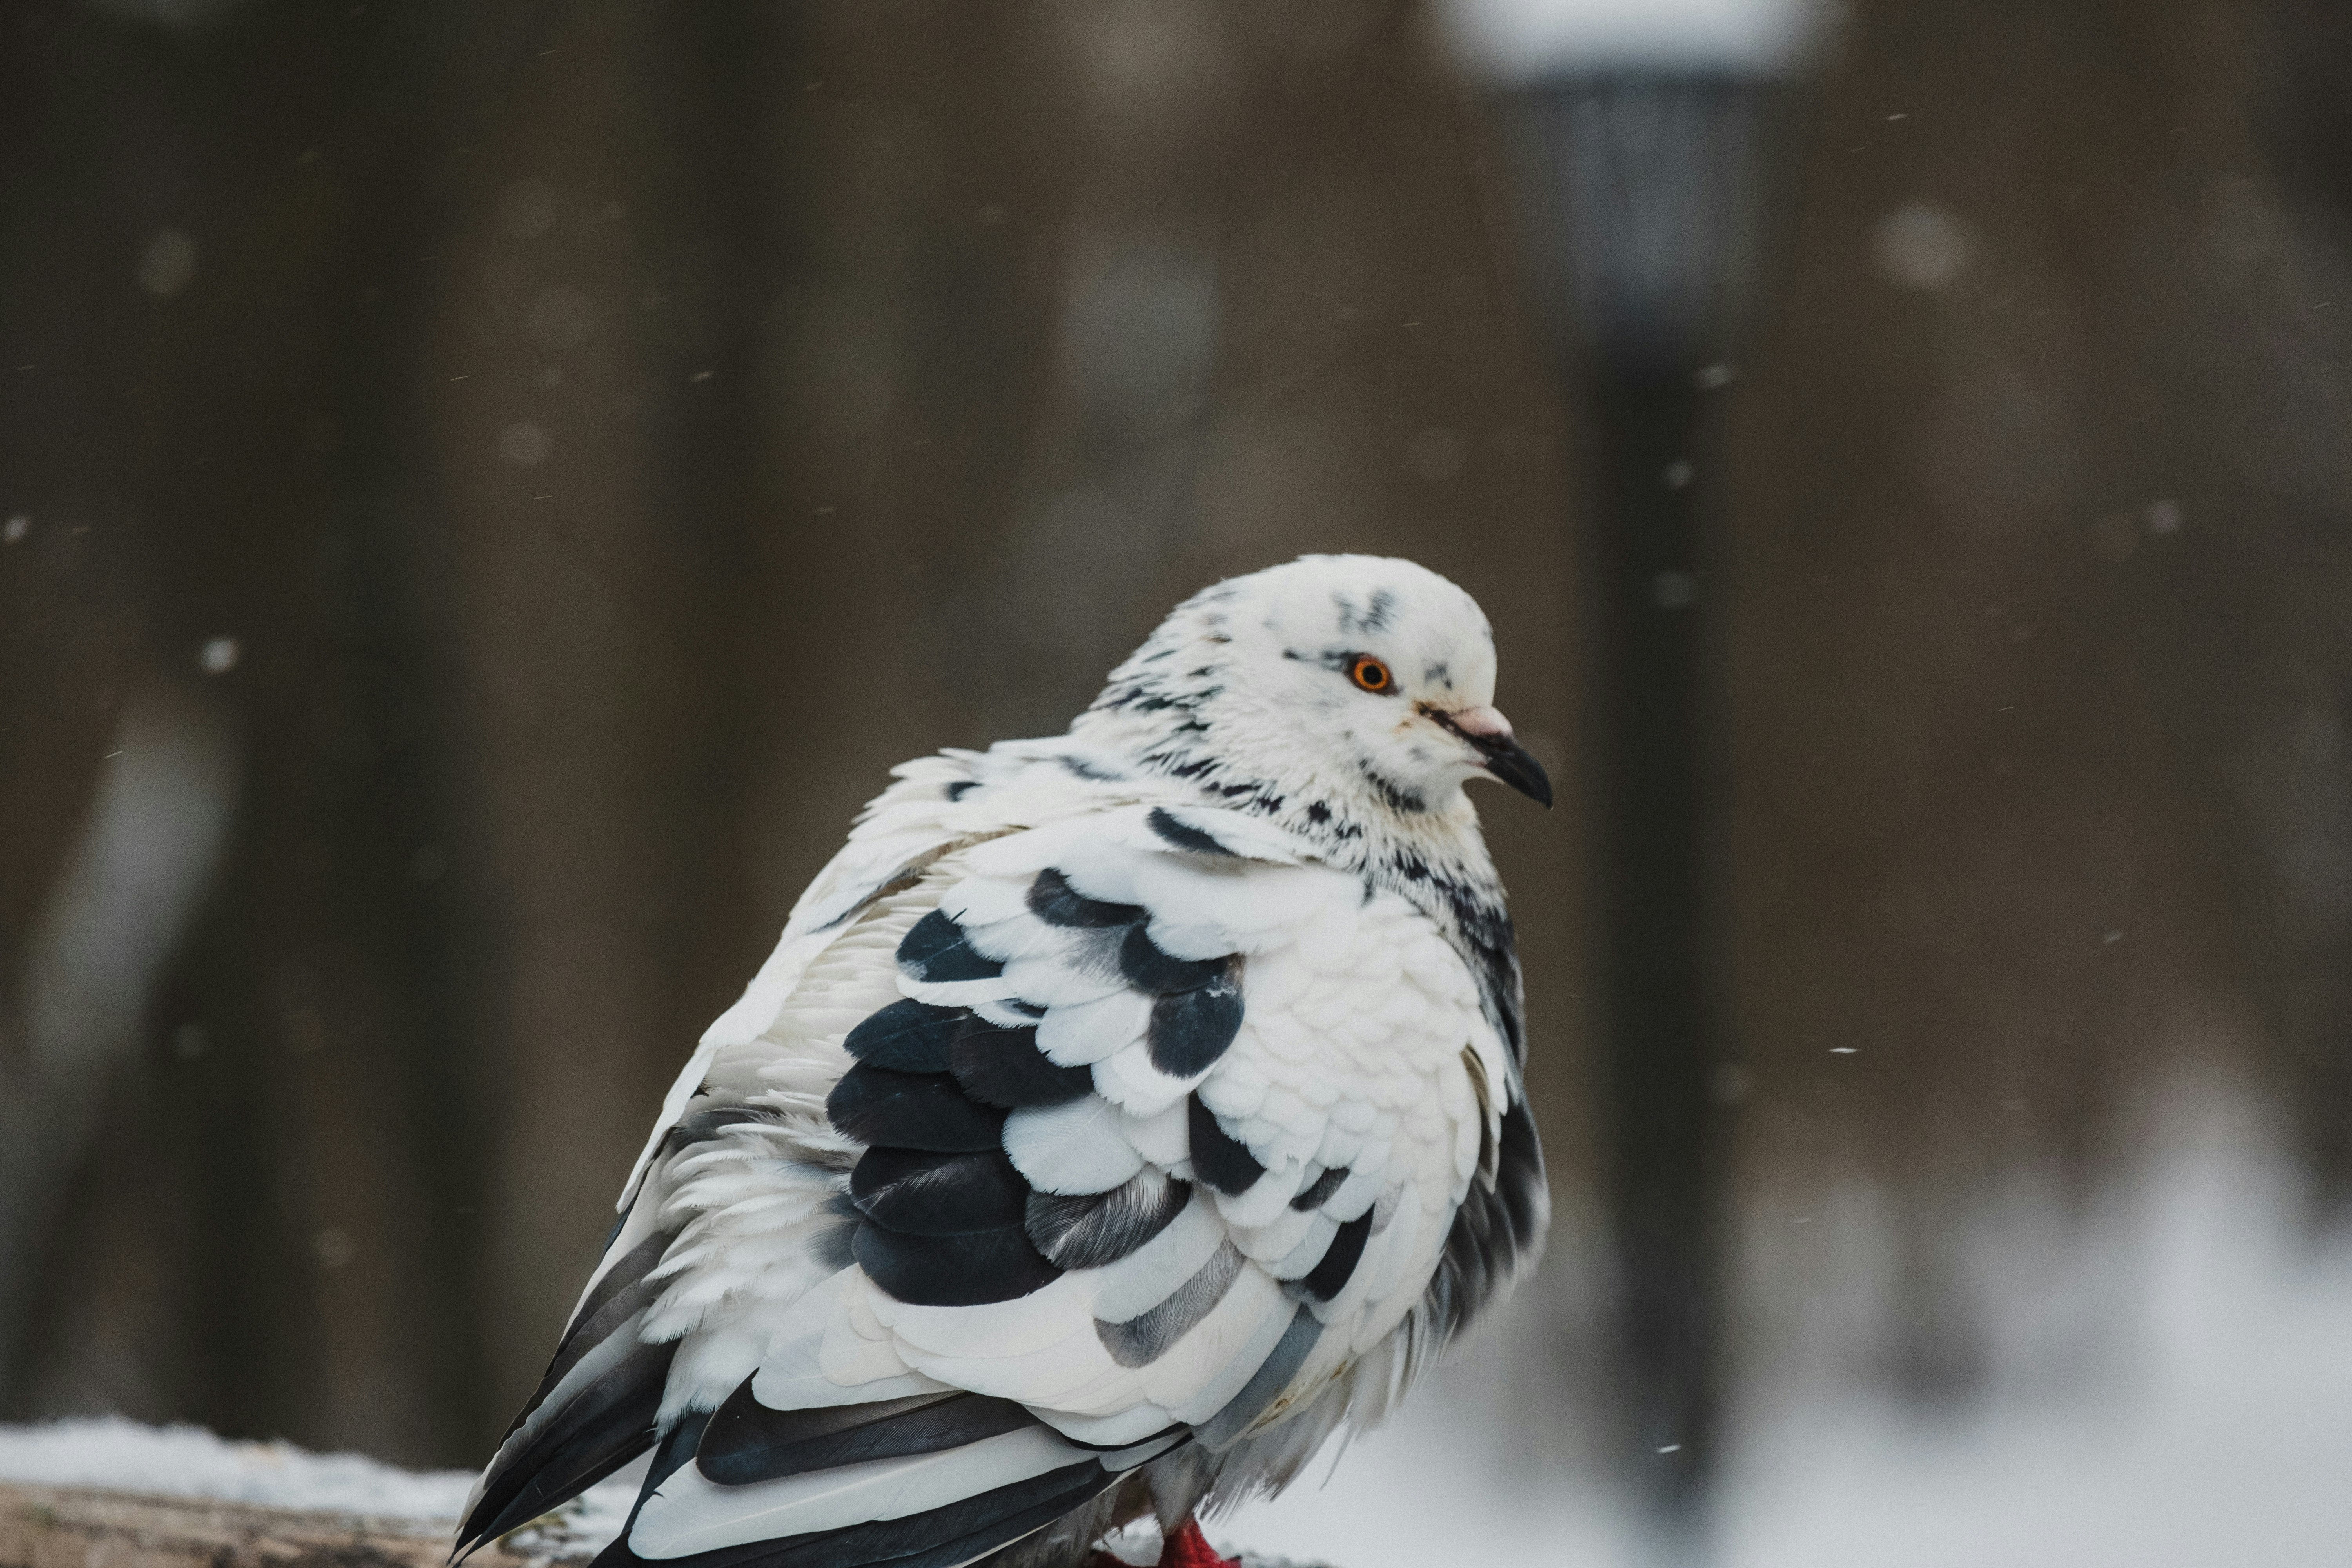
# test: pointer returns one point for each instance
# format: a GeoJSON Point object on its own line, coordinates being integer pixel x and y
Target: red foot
{"type": "Point", "coordinates": [1188, 1548]}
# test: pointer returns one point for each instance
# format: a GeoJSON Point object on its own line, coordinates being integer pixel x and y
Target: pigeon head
{"type": "Point", "coordinates": [1353, 687]}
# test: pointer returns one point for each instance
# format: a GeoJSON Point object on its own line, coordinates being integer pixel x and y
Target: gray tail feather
{"type": "Point", "coordinates": [743, 1443]}
{"type": "Point", "coordinates": [601, 1428]}
{"type": "Point", "coordinates": [960, 1532]}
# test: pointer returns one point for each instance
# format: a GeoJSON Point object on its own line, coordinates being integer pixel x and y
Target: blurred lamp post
{"type": "Point", "coordinates": [1647, 137]}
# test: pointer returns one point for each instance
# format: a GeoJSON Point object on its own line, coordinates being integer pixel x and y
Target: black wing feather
{"type": "Point", "coordinates": [1003, 1067]}
{"type": "Point", "coordinates": [1492, 1229]}
{"type": "Point", "coordinates": [608, 1424]}
{"type": "Point", "coordinates": [1330, 1277]}
{"type": "Point", "coordinates": [912, 1110]}
{"type": "Point", "coordinates": [907, 1037]}
{"type": "Point", "coordinates": [965, 1270]}
{"type": "Point", "coordinates": [1219, 1159]}
{"type": "Point", "coordinates": [1320, 1189]}
{"type": "Point", "coordinates": [1191, 1029]}
{"type": "Point", "coordinates": [747, 1441]}
{"type": "Point", "coordinates": [943, 1537]}
{"type": "Point", "coordinates": [936, 950]}
{"type": "Point", "coordinates": [622, 1293]}
{"type": "Point", "coordinates": [1147, 966]}
{"type": "Point", "coordinates": [926, 1193]}
{"type": "Point", "coordinates": [1055, 901]}
{"type": "Point", "coordinates": [1096, 1229]}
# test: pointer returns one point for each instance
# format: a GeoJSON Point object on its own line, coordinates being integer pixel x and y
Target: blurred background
{"type": "Point", "coordinates": [487, 489]}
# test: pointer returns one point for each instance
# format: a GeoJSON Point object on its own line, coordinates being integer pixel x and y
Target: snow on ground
{"type": "Point", "coordinates": [112, 1453]}
{"type": "Point", "coordinates": [188, 1461]}
{"type": "Point", "coordinates": [2207, 1421]}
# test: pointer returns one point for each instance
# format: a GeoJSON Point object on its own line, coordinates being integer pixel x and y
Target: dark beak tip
{"type": "Point", "coordinates": [1509, 764]}
{"type": "Point", "coordinates": [1506, 761]}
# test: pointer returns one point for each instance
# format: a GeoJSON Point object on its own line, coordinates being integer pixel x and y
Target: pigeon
{"type": "Point", "coordinates": [1119, 1115]}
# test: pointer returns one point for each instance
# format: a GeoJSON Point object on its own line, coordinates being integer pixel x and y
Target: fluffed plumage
{"type": "Point", "coordinates": [1119, 1114]}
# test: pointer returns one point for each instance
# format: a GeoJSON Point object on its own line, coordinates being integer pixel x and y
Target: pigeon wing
{"type": "Point", "coordinates": [1157, 1133]}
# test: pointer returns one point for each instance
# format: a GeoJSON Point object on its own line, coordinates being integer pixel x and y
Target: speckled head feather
{"type": "Point", "coordinates": [1245, 691]}
{"type": "Point", "coordinates": [1247, 688]}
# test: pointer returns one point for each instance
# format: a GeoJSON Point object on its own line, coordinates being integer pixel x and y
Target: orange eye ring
{"type": "Point", "coordinates": [1371, 675]}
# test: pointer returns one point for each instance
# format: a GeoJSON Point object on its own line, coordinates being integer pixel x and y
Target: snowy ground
{"type": "Point", "coordinates": [188, 1461]}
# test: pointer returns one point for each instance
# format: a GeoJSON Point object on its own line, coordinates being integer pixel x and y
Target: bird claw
{"type": "Point", "coordinates": [1187, 1548]}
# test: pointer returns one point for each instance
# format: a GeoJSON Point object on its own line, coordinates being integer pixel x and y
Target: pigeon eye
{"type": "Point", "coordinates": [1370, 674]}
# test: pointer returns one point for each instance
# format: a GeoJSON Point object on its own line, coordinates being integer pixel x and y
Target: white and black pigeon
{"type": "Point", "coordinates": [1119, 1114]}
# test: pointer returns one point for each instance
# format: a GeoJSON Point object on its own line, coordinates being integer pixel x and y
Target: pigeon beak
{"type": "Point", "coordinates": [1489, 733]}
